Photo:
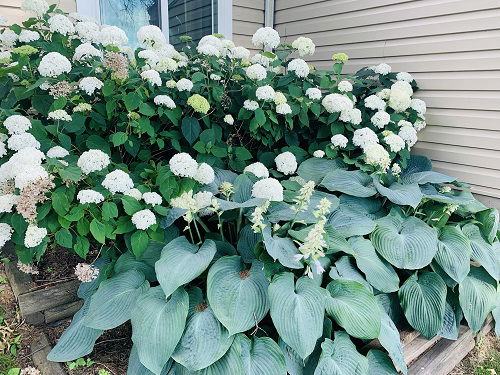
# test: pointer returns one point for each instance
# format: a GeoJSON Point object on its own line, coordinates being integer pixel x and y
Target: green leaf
{"type": "Point", "coordinates": [297, 311]}
{"type": "Point", "coordinates": [354, 308]}
{"type": "Point", "coordinates": [60, 203]}
{"type": "Point", "coordinates": [181, 262]}
{"type": "Point", "coordinates": [350, 221]}
{"type": "Point", "coordinates": [356, 183]}
{"type": "Point", "coordinates": [112, 304]}
{"type": "Point", "coordinates": [454, 252]}
{"type": "Point", "coordinates": [98, 230]}
{"type": "Point", "coordinates": [340, 357]}
{"type": "Point", "coordinates": [344, 269]}
{"type": "Point", "coordinates": [157, 326]}
{"type": "Point", "coordinates": [82, 246]}
{"type": "Point", "coordinates": [389, 338]}
{"type": "Point", "coordinates": [281, 249]}
{"type": "Point", "coordinates": [64, 238]}
{"type": "Point", "coordinates": [379, 363]}
{"type": "Point", "coordinates": [405, 242]}
{"type": "Point", "coordinates": [242, 153]}
{"type": "Point", "coordinates": [261, 356]}
{"type": "Point", "coordinates": [489, 223]}
{"type": "Point", "coordinates": [423, 299]}
{"type": "Point", "coordinates": [132, 101]}
{"type": "Point", "coordinates": [482, 251]}
{"type": "Point", "coordinates": [452, 317]}
{"type": "Point", "coordinates": [247, 239]}
{"type": "Point", "coordinates": [72, 173]}
{"type": "Point", "coordinates": [131, 205]}
{"type": "Point", "coordinates": [109, 210]}
{"type": "Point", "coordinates": [135, 367]}
{"type": "Point", "coordinates": [477, 296]}
{"type": "Point", "coordinates": [190, 129]}
{"type": "Point", "coordinates": [315, 169]}
{"type": "Point", "coordinates": [118, 138]}
{"type": "Point", "coordinates": [139, 242]}
{"type": "Point", "coordinates": [244, 302]}
{"type": "Point", "coordinates": [404, 195]}
{"type": "Point", "coordinates": [204, 340]}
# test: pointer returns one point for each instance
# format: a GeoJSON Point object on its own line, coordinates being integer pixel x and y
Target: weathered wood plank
{"type": "Point", "coordinates": [417, 347]}
{"type": "Point", "coordinates": [39, 350]}
{"type": "Point", "coordinates": [53, 296]}
{"type": "Point", "coordinates": [62, 312]}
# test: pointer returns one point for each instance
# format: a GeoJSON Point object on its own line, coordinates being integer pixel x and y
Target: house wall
{"type": "Point", "coordinates": [11, 9]}
{"type": "Point", "coordinates": [248, 16]}
{"type": "Point", "coordinates": [452, 48]}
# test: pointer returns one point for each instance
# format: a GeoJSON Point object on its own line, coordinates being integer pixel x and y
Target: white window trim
{"type": "Point", "coordinates": [224, 15]}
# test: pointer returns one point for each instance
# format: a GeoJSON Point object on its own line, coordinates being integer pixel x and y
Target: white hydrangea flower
{"type": "Point", "coordinates": [319, 153]}
{"type": "Point", "coordinates": [377, 155]}
{"type": "Point", "coordinates": [164, 100]}
{"type": "Point", "coordinates": [112, 36]}
{"type": "Point", "coordinates": [419, 125]}
{"type": "Point", "coordinates": [409, 134]}
{"type": "Point", "coordinates": [209, 50]}
{"type": "Point", "coordinates": [90, 84]}
{"type": "Point", "coordinates": [250, 105]}
{"type": "Point", "coordinates": [286, 163]}
{"type": "Point", "coordinates": [336, 103]}
{"type": "Point", "coordinates": [266, 37]}
{"type": "Point", "coordinates": [84, 51]}
{"type": "Point", "coordinates": [17, 142]}
{"type": "Point", "coordinates": [89, 196]}
{"type": "Point", "coordinates": [402, 86]}
{"type": "Point", "coordinates": [3, 149]}
{"type": "Point", "coordinates": [404, 76]}
{"type": "Point", "coordinates": [402, 123]}
{"type": "Point", "coordinates": [54, 64]}
{"type": "Point", "coordinates": [364, 137]}
{"type": "Point", "coordinates": [82, 107]}
{"type": "Point", "coordinates": [258, 169]}
{"type": "Point", "coordinates": [265, 93]}
{"type": "Point", "coordinates": [170, 84]}
{"type": "Point", "coordinates": [215, 77]}
{"type": "Point", "coordinates": [28, 36]}
{"type": "Point", "coordinates": [345, 86]}
{"type": "Point", "coordinates": [204, 174]}
{"type": "Point", "coordinates": [34, 236]}
{"type": "Point", "coordinates": [151, 36]}
{"type": "Point", "coordinates": [395, 142]}
{"type": "Point", "coordinates": [382, 69]}
{"type": "Point", "coordinates": [183, 165]}
{"type": "Point", "coordinates": [7, 201]}
{"type": "Point", "coordinates": [57, 152]}
{"type": "Point", "coordinates": [313, 93]}
{"type": "Point", "coordinates": [17, 124]}
{"type": "Point", "coordinates": [143, 219]}
{"type": "Point", "coordinates": [419, 106]}
{"type": "Point", "coordinates": [256, 72]}
{"type": "Point", "coordinates": [283, 109]}
{"type": "Point", "coordinates": [339, 140]}
{"type": "Point", "coordinates": [5, 56]}
{"type": "Point", "coordinates": [86, 272]}
{"type": "Point", "coordinates": [152, 76]}
{"type": "Point", "coordinates": [211, 40]}
{"type": "Point", "coordinates": [203, 199]}
{"type": "Point", "coordinates": [154, 199]}
{"type": "Point", "coordinates": [27, 156]}
{"type": "Point", "coordinates": [352, 115]}
{"type": "Point", "coordinates": [87, 31]}
{"type": "Point", "coordinates": [59, 115]}
{"type": "Point", "coordinates": [228, 119]}
{"type": "Point", "coordinates": [5, 233]}
{"type": "Point", "coordinates": [92, 161]}
{"type": "Point", "coordinates": [268, 188]}
{"type": "Point", "coordinates": [134, 193]}
{"type": "Point", "coordinates": [184, 84]}
{"type": "Point", "coordinates": [305, 46]}
{"type": "Point", "coordinates": [152, 58]}
{"type": "Point", "coordinates": [38, 7]}
{"type": "Point", "coordinates": [279, 98]}
{"type": "Point", "coordinates": [374, 102]}
{"type": "Point", "coordinates": [299, 67]}
{"type": "Point", "coordinates": [396, 169]}
{"type": "Point", "coordinates": [399, 100]}
{"type": "Point", "coordinates": [384, 94]}
{"type": "Point", "coordinates": [118, 181]}
{"type": "Point", "coordinates": [262, 60]}
{"type": "Point", "coordinates": [381, 119]}
{"type": "Point", "coordinates": [8, 38]}
{"type": "Point", "coordinates": [240, 53]}
{"type": "Point", "coordinates": [29, 174]}
{"type": "Point", "coordinates": [185, 201]}
{"type": "Point", "coordinates": [61, 24]}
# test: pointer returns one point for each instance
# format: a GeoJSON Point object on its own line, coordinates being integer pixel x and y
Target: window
{"type": "Point", "coordinates": [195, 18]}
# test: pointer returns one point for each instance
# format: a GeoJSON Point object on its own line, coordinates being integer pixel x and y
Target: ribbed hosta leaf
{"type": "Point", "coordinates": [356, 183]}
{"type": "Point", "coordinates": [297, 311]}
{"type": "Point", "coordinates": [477, 295]}
{"type": "Point", "coordinates": [379, 273]}
{"type": "Point", "coordinates": [181, 262]}
{"type": "Point", "coordinates": [423, 299]}
{"type": "Point", "coordinates": [419, 171]}
{"type": "Point", "coordinates": [315, 169]}
{"type": "Point", "coordinates": [389, 338]}
{"type": "Point", "coordinates": [85, 290]}
{"type": "Point", "coordinates": [112, 304]}
{"type": "Point", "coordinates": [454, 252]}
{"type": "Point", "coordinates": [281, 249]}
{"type": "Point", "coordinates": [489, 223]}
{"type": "Point", "coordinates": [405, 242]}
{"type": "Point", "coordinates": [237, 296]}
{"type": "Point", "coordinates": [294, 364]}
{"type": "Point", "coordinates": [354, 308]}
{"type": "Point", "coordinates": [204, 340]}
{"type": "Point", "coordinates": [261, 356]}
{"type": "Point", "coordinates": [372, 207]}
{"type": "Point", "coordinates": [135, 367]}
{"type": "Point", "coordinates": [335, 242]}
{"type": "Point", "coordinates": [405, 195]}
{"type": "Point", "coordinates": [340, 357]}
{"type": "Point", "coordinates": [452, 317]}
{"type": "Point", "coordinates": [221, 175]}
{"type": "Point", "coordinates": [247, 239]}
{"type": "Point", "coordinates": [344, 269]}
{"type": "Point", "coordinates": [349, 221]}
{"type": "Point", "coordinates": [242, 188]}
{"type": "Point", "coordinates": [77, 340]}
{"type": "Point", "coordinates": [157, 325]}
{"type": "Point", "coordinates": [128, 261]}
{"type": "Point", "coordinates": [230, 205]}
{"type": "Point", "coordinates": [460, 197]}
{"type": "Point", "coordinates": [482, 251]}
{"type": "Point", "coordinates": [379, 363]}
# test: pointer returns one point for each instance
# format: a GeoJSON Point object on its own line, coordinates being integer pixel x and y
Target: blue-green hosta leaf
{"type": "Point", "coordinates": [294, 364]}
{"type": "Point", "coordinates": [135, 367]}
{"type": "Point", "coordinates": [372, 207]}
{"type": "Point", "coordinates": [281, 249]}
{"type": "Point", "coordinates": [204, 340]}
{"type": "Point", "coordinates": [460, 197]}
{"type": "Point", "coordinates": [112, 304]}
{"type": "Point", "coordinates": [157, 326]}
{"type": "Point", "coordinates": [242, 188]}
{"type": "Point", "coordinates": [221, 175]}
{"type": "Point", "coordinates": [297, 311]}
{"type": "Point", "coordinates": [419, 171]}
{"type": "Point", "coordinates": [77, 340]}
{"type": "Point", "coordinates": [340, 357]}
{"type": "Point", "coordinates": [354, 308]}
{"type": "Point", "coordinates": [489, 223]}
{"type": "Point", "coordinates": [477, 295]}
{"type": "Point", "coordinates": [423, 299]}
{"type": "Point", "coordinates": [389, 302]}
{"type": "Point", "coordinates": [247, 239]}
{"type": "Point", "coordinates": [344, 269]}
{"type": "Point", "coordinates": [379, 363]}
{"type": "Point", "coordinates": [335, 242]}
{"type": "Point", "coordinates": [405, 242]}
{"type": "Point", "coordinates": [261, 356]}
{"type": "Point", "coordinates": [231, 205]}
{"type": "Point", "coordinates": [173, 214]}
{"type": "Point", "coordinates": [128, 261]}
{"type": "Point", "coordinates": [378, 272]}
{"type": "Point", "coordinates": [349, 221]}
{"type": "Point", "coordinates": [237, 296]}
{"type": "Point", "coordinates": [452, 317]}
{"type": "Point", "coordinates": [181, 262]}
{"type": "Point", "coordinates": [405, 195]}
{"type": "Point", "coordinates": [482, 251]}
{"type": "Point", "coordinates": [391, 341]}
{"type": "Point", "coordinates": [355, 183]}
{"type": "Point", "coordinates": [85, 290]}
{"type": "Point", "coordinates": [454, 252]}
{"type": "Point", "coordinates": [315, 169]}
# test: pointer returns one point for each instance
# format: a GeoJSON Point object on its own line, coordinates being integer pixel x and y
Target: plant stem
{"type": "Point", "coordinates": [197, 231]}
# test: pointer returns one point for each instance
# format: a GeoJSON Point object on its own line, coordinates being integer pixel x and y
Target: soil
{"type": "Point", "coordinates": [484, 359]}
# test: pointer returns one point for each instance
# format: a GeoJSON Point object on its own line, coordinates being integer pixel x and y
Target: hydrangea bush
{"type": "Point", "coordinates": [252, 215]}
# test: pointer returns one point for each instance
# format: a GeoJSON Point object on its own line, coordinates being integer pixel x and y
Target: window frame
{"type": "Point", "coordinates": [91, 8]}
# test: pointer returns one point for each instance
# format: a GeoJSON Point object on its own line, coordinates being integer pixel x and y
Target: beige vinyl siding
{"type": "Point", "coordinates": [452, 48]}
{"type": "Point", "coordinates": [248, 16]}
{"type": "Point", "coordinates": [11, 9]}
